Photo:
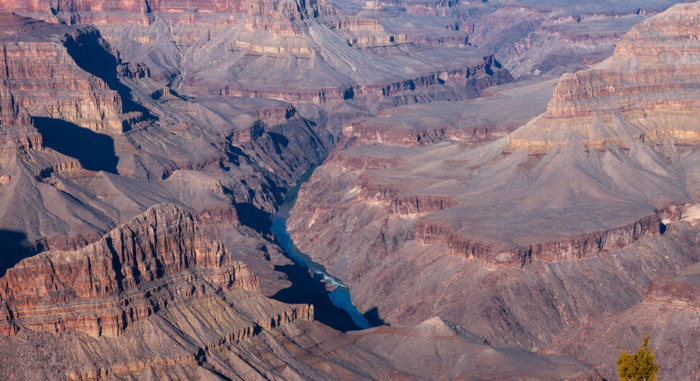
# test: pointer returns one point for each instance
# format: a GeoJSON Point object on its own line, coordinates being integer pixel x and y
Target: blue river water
{"type": "Point", "coordinates": [340, 296]}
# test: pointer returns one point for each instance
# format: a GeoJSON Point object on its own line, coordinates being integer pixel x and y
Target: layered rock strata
{"type": "Point", "coordinates": [648, 90]}
{"type": "Point", "coordinates": [46, 80]}
{"type": "Point", "coordinates": [668, 312]}
{"type": "Point", "coordinates": [16, 130]}
{"type": "Point", "coordinates": [154, 260]}
{"type": "Point", "coordinates": [271, 50]}
{"type": "Point", "coordinates": [521, 243]}
{"type": "Point", "coordinates": [155, 297]}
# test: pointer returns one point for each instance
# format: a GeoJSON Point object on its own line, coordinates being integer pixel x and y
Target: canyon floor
{"type": "Point", "coordinates": [506, 190]}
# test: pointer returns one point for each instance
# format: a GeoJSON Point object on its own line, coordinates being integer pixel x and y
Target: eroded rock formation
{"type": "Point", "coordinates": [648, 90]}
{"type": "Point", "coordinates": [46, 80]}
{"type": "Point", "coordinates": [17, 132]}
{"type": "Point", "coordinates": [135, 270]}
{"type": "Point", "coordinates": [497, 235]}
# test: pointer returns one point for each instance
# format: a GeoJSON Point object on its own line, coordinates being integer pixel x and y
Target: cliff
{"type": "Point", "coordinates": [46, 80]}
{"type": "Point", "coordinates": [648, 90]}
{"type": "Point", "coordinates": [16, 130]}
{"type": "Point", "coordinates": [133, 271]}
{"type": "Point", "coordinates": [282, 10]}
{"type": "Point", "coordinates": [519, 245]}
{"type": "Point", "coordinates": [669, 303]}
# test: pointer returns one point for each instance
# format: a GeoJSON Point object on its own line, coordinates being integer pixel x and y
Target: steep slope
{"type": "Point", "coordinates": [101, 288]}
{"type": "Point", "coordinates": [156, 278]}
{"type": "Point", "coordinates": [519, 242]}
{"type": "Point", "coordinates": [669, 312]}
{"type": "Point", "coordinates": [540, 38]}
{"type": "Point", "coordinates": [156, 296]}
{"type": "Point", "coordinates": [646, 91]}
{"type": "Point", "coordinates": [83, 152]}
{"type": "Point", "coordinates": [45, 80]}
{"type": "Point", "coordinates": [306, 52]}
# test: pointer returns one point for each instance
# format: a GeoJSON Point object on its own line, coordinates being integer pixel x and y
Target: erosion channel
{"type": "Point", "coordinates": [330, 297]}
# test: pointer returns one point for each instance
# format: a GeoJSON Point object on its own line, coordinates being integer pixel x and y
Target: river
{"type": "Point", "coordinates": [340, 296]}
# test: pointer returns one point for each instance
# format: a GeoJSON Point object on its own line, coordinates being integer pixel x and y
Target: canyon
{"type": "Point", "coordinates": [565, 212]}
{"type": "Point", "coordinates": [508, 189]}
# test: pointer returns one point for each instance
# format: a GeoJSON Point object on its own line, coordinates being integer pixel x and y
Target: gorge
{"type": "Point", "coordinates": [370, 190]}
{"type": "Point", "coordinates": [339, 295]}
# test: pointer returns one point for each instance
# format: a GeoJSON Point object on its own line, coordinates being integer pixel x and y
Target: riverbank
{"type": "Point", "coordinates": [311, 280]}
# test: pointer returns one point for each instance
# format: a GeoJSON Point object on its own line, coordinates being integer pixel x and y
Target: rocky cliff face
{"type": "Point", "coordinates": [647, 90]}
{"type": "Point", "coordinates": [521, 245]}
{"type": "Point", "coordinates": [17, 132]}
{"type": "Point", "coordinates": [424, 209]}
{"type": "Point", "coordinates": [536, 39]}
{"type": "Point", "coordinates": [269, 49]}
{"type": "Point", "coordinates": [46, 80]}
{"type": "Point", "coordinates": [141, 267]}
{"type": "Point", "coordinates": [283, 10]}
{"type": "Point", "coordinates": [155, 296]}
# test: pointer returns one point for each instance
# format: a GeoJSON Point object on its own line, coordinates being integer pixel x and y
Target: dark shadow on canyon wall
{"type": "Point", "coordinates": [13, 248]}
{"type": "Point", "coordinates": [373, 318]}
{"type": "Point", "coordinates": [94, 151]}
{"type": "Point", "coordinates": [91, 53]}
{"type": "Point", "coordinates": [309, 289]}
{"type": "Point", "coordinates": [253, 217]}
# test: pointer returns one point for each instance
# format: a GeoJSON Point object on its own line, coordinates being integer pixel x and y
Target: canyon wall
{"type": "Point", "coordinates": [45, 80]}
{"type": "Point", "coordinates": [124, 277]}
{"type": "Point", "coordinates": [562, 216]}
{"type": "Point", "coordinates": [648, 90]}
{"type": "Point", "coordinates": [17, 132]}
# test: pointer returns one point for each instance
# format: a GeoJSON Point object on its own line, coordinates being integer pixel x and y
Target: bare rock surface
{"type": "Point", "coordinates": [155, 296]}
{"type": "Point", "coordinates": [539, 38]}
{"type": "Point", "coordinates": [647, 91]}
{"type": "Point", "coordinates": [523, 243]}
{"type": "Point", "coordinates": [102, 288]}
{"type": "Point", "coordinates": [145, 144]}
{"type": "Point", "coordinates": [669, 311]}
{"type": "Point", "coordinates": [45, 79]}
{"type": "Point", "coordinates": [308, 52]}
{"type": "Point", "coordinates": [432, 349]}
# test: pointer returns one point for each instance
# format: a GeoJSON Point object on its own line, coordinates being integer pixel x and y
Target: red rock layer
{"type": "Point", "coordinates": [577, 247]}
{"type": "Point", "coordinates": [648, 89]}
{"type": "Point", "coordinates": [475, 78]}
{"type": "Point", "coordinates": [280, 10]}
{"type": "Point", "coordinates": [239, 335]}
{"type": "Point", "coordinates": [44, 78]}
{"type": "Point", "coordinates": [156, 259]}
{"type": "Point", "coordinates": [16, 131]}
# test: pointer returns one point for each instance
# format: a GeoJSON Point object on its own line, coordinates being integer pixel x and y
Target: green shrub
{"type": "Point", "coordinates": [639, 366]}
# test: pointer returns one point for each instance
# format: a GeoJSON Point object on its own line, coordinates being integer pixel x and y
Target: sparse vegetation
{"type": "Point", "coordinates": [639, 366]}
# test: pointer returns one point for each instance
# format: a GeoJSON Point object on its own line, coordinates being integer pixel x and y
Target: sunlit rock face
{"type": "Point", "coordinates": [46, 80]}
{"type": "Point", "coordinates": [648, 90]}
{"type": "Point", "coordinates": [100, 288]}
{"type": "Point", "coordinates": [144, 145]}
{"type": "Point", "coordinates": [564, 211]}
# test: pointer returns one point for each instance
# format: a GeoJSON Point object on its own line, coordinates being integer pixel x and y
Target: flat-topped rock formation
{"type": "Point", "coordinates": [648, 90]}
{"type": "Point", "coordinates": [539, 38]}
{"type": "Point", "coordinates": [477, 121]}
{"type": "Point", "coordinates": [283, 10]}
{"type": "Point", "coordinates": [145, 145]}
{"type": "Point", "coordinates": [521, 245]}
{"type": "Point", "coordinates": [300, 52]}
